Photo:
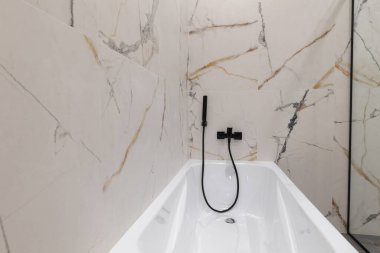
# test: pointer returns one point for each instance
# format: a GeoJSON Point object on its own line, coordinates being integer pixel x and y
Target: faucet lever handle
{"type": "Point", "coordinates": [221, 135]}
{"type": "Point", "coordinates": [237, 135]}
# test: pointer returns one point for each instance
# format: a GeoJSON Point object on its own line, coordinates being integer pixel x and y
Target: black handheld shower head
{"type": "Point", "coordinates": [220, 135]}
{"type": "Point", "coordinates": [204, 112]}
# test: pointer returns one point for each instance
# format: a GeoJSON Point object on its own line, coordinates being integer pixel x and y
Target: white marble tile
{"type": "Point", "coordinates": [365, 203]}
{"type": "Point", "coordinates": [339, 175]}
{"type": "Point", "coordinates": [142, 30]}
{"type": "Point", "coordinates": [118, 24]}
{"type": "Point", "coordinates": [301, 61]}
{"type": "Point", "coordinates": [61, 9]}
{"type": "Point", "coordinates": [225, 109]}
{"type": "Point", "coordinates": [367, 39]}
{"type": "Point", "coordinates": [80, 137]}
{"type": "Point", "coordinates": [297, 128]}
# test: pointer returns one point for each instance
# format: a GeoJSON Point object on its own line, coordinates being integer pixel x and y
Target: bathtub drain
{"type": "Point", "coordinates": [229, 220]}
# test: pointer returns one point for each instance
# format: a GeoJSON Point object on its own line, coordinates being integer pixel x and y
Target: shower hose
{"type": "Point", "coordinates": [203, 172]}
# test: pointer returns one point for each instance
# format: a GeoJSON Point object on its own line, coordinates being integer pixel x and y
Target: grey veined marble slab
{"type": "Point", "coordinates": [371, 242]}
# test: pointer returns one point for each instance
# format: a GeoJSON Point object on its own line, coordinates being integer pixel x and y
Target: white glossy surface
{"type": "Point", "coordinates": [271, 215]}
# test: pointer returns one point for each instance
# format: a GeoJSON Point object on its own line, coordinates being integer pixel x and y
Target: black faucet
{"type": "Point", "coordinates": [229, 134]}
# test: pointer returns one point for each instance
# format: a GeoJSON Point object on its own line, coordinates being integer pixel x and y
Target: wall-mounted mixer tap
{"type": "Point", "coordinates": [229, 134]}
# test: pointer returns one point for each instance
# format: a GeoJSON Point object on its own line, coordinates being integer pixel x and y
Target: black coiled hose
{"type": "Point", "coordinates": [203, 172]}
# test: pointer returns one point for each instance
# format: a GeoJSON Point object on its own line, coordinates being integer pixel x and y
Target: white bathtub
{"type": "Point", "coordinates": [271, 215]}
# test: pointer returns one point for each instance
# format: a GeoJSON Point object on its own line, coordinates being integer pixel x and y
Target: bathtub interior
{"type": "Point", "coordinates": [267, 216]}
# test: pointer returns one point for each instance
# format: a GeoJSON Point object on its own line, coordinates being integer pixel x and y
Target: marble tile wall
{"type": "Point", "coordinates": [279, 72]}
{"type": "Point", "coordinates": [101, 101]}
{"type": "Point", "coordinates": [93, 118]}
{"type": "Point", "coordinates": [365, 203]}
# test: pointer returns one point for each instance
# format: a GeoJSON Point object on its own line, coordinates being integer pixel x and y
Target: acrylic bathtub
{"type": "Point", "coordinates": [271, 215]}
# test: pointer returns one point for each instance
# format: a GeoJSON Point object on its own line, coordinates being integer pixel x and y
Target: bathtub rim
{"type": "Point", "coordinates": [334, 238]}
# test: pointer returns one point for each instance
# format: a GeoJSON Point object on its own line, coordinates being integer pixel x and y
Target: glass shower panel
{"type": "Point", "coordinates": [365, 135]}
